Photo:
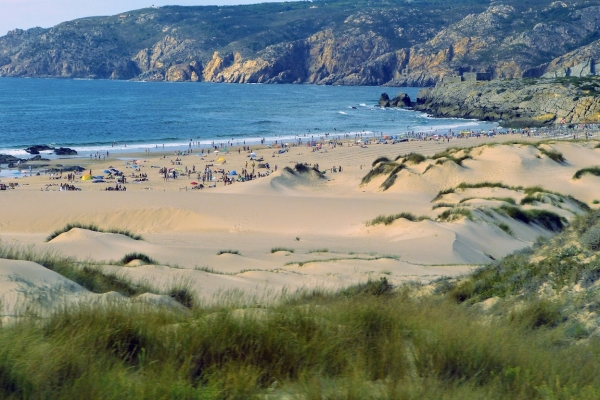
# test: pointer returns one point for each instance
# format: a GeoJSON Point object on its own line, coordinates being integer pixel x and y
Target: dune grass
{"type": "Point", "coordinates": [365, 342]}
{"type": "Point", "coordinates": [455, 214]}
{"type": "Point", "coordinates": [94, 278]}
{"type": "Point", "coordinates": [544, 218]}
{"type": "Point", "coordinates": [443, 205]}
{"type": "Point", "coordinates": [592, 171]}
{"type": "Point", "coordinates": [129, 257]}
{"type": "Point", "coordinates": [229, 251]}
{"type": "Point", "coordinates": [370, 341]}
{"type": "Point", "coordinates": [552, 154]}
{"type": "Point", "coordinates": [383, 168]}
{"type": "Point", "coordinates": [321, 250]}
{"type": "Point", "coordinates": [389, 219]}
{"type": "Point", "coordinates": [276, 249]}
{"type": "Point", "coordinates": [414, 158]}
{"type": "Point", "coordinates": [92, 227]}
{"type": "Point", "coordinates": [505, 228]}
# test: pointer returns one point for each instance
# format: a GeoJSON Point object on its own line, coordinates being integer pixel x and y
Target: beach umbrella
{"type": "Point", "coordinates": [221, 160]}
{"type": "Point", "coordinates": [86, 177]}
{"type": "Point", "coordinates": [233, 172]}
{"type": "Point", "coordinates": [107, 171]}
{"type": "Point", "coordinates": [193, 183]}
{"type": "Point", "coordinates": [252, 154]}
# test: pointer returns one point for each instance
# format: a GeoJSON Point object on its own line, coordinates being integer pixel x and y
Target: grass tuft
{"type": "Point", "coordinates": [92, 227]}
{"type": "Point", "coordinates": [276, 249]}
{"type": "Point", "coordinates": [389, 219]}
{"type": "Point", "coordinates": [592, 171]}
{"type": "Point", "coordinates": [127, 258]}
{"type": "Point", "coordinates": [229, 251]}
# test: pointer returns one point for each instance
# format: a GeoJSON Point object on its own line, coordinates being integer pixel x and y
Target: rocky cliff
{"type": "Point", "coordinates": [341, 42]}
{"type": "Point", "coordinates": [516, 102]}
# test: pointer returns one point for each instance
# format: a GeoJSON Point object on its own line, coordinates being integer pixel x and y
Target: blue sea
{"type": "Point", "coordinates": [95, 115]}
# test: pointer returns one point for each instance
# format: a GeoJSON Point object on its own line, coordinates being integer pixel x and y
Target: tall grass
{"type": "Point", "coordinates": [364, 342]}
{"type": "Point", "coordinates": [92, 227]}
{"type": "Point", "coordinates": [544, 218]}
{"type": "Point", "coordinates": [94, 278]}
{"type": "Point", "coordinates": [592, 171]}
{"type": "Point", "coordinates": [389, 219]}
{"type": "Point", "coordinates": [276, 249]}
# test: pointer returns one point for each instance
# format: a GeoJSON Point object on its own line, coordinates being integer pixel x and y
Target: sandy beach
{"type": "Point", "coordinates": [295, 230]}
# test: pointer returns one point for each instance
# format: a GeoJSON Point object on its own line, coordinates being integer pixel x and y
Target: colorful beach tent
{"type": "Point", "coordinates": [221, 160]}
{"type": "Point", "coordinates": [86, 177]}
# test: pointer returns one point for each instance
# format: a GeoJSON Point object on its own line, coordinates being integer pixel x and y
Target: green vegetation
{"type": "Point", "coordinates": [414, 158]}
{"type": "Point", "coordinates": [323, 250]}
{"type": "Point", "coordinates": [505, 228]}
{"type": "Point", "coordinates": [93, 278]}
{"type": "Point", "coordinates": [383, 168]}
{"type": "Point", "coordinates": [389, 219]}
{"type": "Point", "coordinates": [544, 218]}
{"type": "Point", "coordinates": [533, 338]}
{"type": "Point", "coordinates": [127, 258]}
{"type": "Point", "coordinates": [552, 154]}
{"type": "Point", "coordinates": [509, 200]}
{"type": "Point", "coordinates": [592, 171]}
{"type": "Point", "coordinates": [380, 160]}
{"type": "Point", "coordinates": [276, 249]}
{"type": "Point", "coordinates": [92, 227]}
{"type": "Point", "coordinates": [442, 205]}
{"type": "Point", "coordinates": [455, 214]}
{"type": "Point", "coordinates": [229, 251]}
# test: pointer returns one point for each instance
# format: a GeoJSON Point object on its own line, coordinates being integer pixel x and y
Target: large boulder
{"type": "Point", "coordinates": [37, 148]}
{"type": "Point", "coordinates": [384, 100]}
{"type": "Point", "coordinates": [8, 159]}
{"type": "Point", "coordinates": [401, 100]}
{"type": "Point", "coordinates": [65, 151]}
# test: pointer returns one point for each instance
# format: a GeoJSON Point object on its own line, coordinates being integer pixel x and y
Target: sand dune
{"type": "Point", "coordinates": [184, 230]}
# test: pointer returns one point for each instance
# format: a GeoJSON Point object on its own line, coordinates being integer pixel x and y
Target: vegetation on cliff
{"type": "Point", "coordinates": [393, 42]}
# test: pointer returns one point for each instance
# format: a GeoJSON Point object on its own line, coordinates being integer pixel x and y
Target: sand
{"type": "Point", "coordinates": [320, 223]}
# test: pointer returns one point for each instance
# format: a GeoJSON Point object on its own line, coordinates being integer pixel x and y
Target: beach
{"type": "Point", "coordinates": [294, 230]}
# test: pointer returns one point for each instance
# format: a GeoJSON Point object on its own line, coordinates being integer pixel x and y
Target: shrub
{"type": "Point", "coordinates": [92, 227]}
{"type": "Point", "coordinates": [544, 218]}
{"type": "Point", "coordinates": [229, 251]}
{"type": "Point", "coordinates": [380, 160]}
{"type": "Point", "coordinates": [592, 171]}
{"type": "Point", "coordinates": [537, 314]}
{"type": "Point", "coordinates": [591, 238]}
{"type": "Point", "coordinates": [414, 158]}
{"type": "Point", "coordinates": [389, 219]}
{"type": "Point", "coordinates": [553, 155]}
{"type": "Point", "coordinates": [505, 228]}
{"type": "Point", "coordinates": [455, 213]}
{"type": "Point", "coordinates": [276, 249]}
{"type": "Point", "coordinates": [127, 258]}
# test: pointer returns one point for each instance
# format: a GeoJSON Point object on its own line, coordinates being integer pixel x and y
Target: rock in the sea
{"type": "Point", "coordinates": [401, 100]}
{"type": "Point", "coordinates": [384, 100]}
{"type": "Point", "coordinates": [65, 151]}
{"type": "Point", "coordinates": [8, 159]}
{"type": "Point", "coordinates": [37, 148]}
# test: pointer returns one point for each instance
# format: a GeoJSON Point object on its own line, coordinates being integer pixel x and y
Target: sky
{"type": "Point", "coordinates": [25, 14]}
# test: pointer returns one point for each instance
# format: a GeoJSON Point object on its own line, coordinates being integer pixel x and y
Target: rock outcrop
{"type": "Point", "coordinates": [329, 43]}
{"type": "Point", "coordinates": [65, 151]}
{"type": "Point", "coordinates": [516, 102]}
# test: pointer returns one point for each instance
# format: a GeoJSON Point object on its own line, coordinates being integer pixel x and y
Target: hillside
{"type": "Point", "coordinates": [386, 42]}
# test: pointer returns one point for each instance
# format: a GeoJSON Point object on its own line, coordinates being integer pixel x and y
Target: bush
{"type": "Point", "coordinates": [389, 219]}
{"type": "Point", "coordinates": [592, 171]}
{"type": "Point", "coordinates": [92, 227]}
{"type": "Point", "coordinates": [591, 238]}
{"type": "Point", "coordinates": [537, 314]}
{"type": "Point", "coordinates": [127, 258]}
{"type": "Point", "coordinates": [414, 158]}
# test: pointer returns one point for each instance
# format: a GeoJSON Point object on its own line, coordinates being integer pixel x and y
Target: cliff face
{"type": "Point", "coordinates": [390, 42]}
{"type": "Point", "coordinates": [517, 103]}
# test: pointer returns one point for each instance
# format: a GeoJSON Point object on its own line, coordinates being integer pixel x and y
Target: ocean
{"type": "Point", "coordinates": [100, 115]}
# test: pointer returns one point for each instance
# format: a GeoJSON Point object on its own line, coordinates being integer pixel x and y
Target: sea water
{"type": "Point", "coordinates": [102, 115]}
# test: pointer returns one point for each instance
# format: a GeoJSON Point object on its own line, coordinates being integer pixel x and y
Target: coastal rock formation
{"type": "Point", "coordinates": [401, 100]}
{"type": "Point", "coordinates": [37, 148]}
{"type": "Point", "coordinates": [370, 43]}
{"type": "Point", "coordinates": [65, 151]}
{"type": "Point", "coordinates": [518, 102]}
{"type": "Point", "coordinates": [8, 159]}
